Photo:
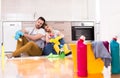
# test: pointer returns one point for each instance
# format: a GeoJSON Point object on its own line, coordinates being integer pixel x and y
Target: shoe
{"type": "Point", "coordinates": [69, 53]}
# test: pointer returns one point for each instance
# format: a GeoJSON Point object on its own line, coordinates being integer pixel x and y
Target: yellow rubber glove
{"type": "Point", "coordinates": [66, 50]}
{"type": "Point", "coordinates": [56, 43]}
{"type": "Point", "coordinates": [56, 48]}
{"type": "Point", "coordinates": [56, 40]}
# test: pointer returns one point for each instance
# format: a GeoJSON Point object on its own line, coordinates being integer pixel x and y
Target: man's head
{"type": "Point", "coordinates": [40, 22]}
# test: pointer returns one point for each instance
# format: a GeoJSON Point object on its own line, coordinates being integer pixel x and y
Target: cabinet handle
{"type": "Point", "coordinates": [12, 24]}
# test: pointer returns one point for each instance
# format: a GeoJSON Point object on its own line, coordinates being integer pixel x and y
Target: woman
{"type": "Point", "coordinates": [54, 42]}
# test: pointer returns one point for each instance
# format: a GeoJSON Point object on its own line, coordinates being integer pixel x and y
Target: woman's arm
{"type": "Point", "coordinates": [60, 34]}
{"type": "Point", "coordinates": [47, 38]}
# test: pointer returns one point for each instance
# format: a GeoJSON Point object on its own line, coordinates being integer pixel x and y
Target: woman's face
{"type": "Point", "coordinates": [47, 28]}
{"type": "Point", "coordinates": [39, 23]}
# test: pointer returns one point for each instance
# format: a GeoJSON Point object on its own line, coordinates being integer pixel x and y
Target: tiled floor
{"type": "Point", "coordinates": [42, 67]}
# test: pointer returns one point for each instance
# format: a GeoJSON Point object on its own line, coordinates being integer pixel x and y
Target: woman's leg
{"type": "Point", "coordinates": [56, 48]}
{"type": "Point", "coordinates": [31, 48]}
{"type": "Point", "coordinates": [49, 49]}
{"type": "Point", "coordinates": [66, 50]}
{"type": "Point", "coordinates": [65, 47]}
{"type": "Point", "coordinates": [62, 41]}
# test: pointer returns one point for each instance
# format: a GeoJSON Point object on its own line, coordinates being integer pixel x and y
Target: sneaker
{"type": "Point", "coordinates": [69, 53]}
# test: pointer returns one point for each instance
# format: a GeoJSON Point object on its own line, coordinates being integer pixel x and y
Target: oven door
{"type": "Point", "coordinates": [87, 31]}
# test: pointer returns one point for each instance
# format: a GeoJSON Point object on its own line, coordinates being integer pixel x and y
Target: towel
{"type": "Point", "coordinates": [100, 51]}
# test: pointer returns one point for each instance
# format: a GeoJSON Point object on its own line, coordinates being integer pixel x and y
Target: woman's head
{"type": "Point", "coordinates": [40, 22]}
{"type": "Point", "coordinates": [47, 28]}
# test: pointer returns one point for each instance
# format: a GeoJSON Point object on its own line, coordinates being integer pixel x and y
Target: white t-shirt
{"type": "Point", "coordinates": [35, 31]}
{"type": "Point", "coordinates": [38, 31]}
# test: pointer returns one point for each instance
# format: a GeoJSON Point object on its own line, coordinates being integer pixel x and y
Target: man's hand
{"type": "Point", "coordinates": [18, 34]}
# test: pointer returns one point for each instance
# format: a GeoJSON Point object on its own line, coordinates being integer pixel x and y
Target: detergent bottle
{"type": "Point", "coordinates": [115, 54]}
{"type": "Point", "coordinates": [82, 57]}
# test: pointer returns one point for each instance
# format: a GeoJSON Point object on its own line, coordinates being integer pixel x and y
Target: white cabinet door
{"type": "Point", "coordinates": [52, 10]}
{"type": "Point", "coordinates": [9, 29]}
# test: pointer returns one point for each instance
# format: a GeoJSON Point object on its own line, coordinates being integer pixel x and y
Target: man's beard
{"type": "Point", "coordinates": [38, 27]}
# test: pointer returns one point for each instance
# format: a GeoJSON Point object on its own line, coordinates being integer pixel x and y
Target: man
{"type": "Point", "coordinates": [32, 41]}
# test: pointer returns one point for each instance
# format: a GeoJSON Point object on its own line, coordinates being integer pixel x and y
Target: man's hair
{"type": "Point", "coordinates": [43, 19]}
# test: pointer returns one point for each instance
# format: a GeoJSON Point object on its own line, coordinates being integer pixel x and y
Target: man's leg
{"type": "Point", "coordinates": [31, 48]}
{"type": "Point", "coordinates": [21, 43]}
{"type": "Point", "coordinates": [35, 50]}
{"type": "Point", "coordinates": [18, 46]}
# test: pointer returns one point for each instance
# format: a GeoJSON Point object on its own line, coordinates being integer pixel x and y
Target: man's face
{"type": "Point", "coordinates": [39, 23]}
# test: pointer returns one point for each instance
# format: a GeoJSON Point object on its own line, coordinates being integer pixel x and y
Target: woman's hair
{"type": "Point", "coordinates": [45, 25]}
{"type": "Point", "coordinates": [41, 18]}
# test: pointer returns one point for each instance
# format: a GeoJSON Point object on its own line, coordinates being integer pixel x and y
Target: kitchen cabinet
{"type": "Point", "coordinates": [52, 10]}
{"type": "Point", "coordinates": [9, 30]}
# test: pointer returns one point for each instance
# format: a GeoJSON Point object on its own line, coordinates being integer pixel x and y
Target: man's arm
{"type": "Point", "coordinates": [24, 31]}
{"type": "Point", "coordinates": [34, 37]}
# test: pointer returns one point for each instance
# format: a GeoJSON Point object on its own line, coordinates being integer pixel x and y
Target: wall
{"type": "Point", "coordinates": [110, 19]}
{"type": "Point", "coordinates": [0, 10]}
{"type": "Point", "coordinates": [91, 9]}
{"type": "Point", "coordinates": [52, 10]}
{"type": "Point", "coordinates": [79, 10]}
